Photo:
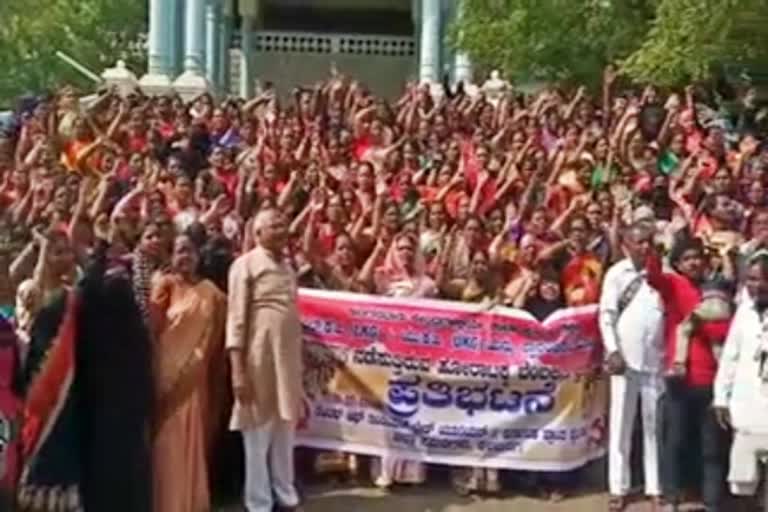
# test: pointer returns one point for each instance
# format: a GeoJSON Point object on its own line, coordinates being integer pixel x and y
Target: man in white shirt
{"type": "Point", "coordinates": [741, 385]}
{"type": "Point", "coordinates": [631, 323]}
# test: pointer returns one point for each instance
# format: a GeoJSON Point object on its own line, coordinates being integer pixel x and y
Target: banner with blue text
{"type": "Point", "coordinates": [452, 383]}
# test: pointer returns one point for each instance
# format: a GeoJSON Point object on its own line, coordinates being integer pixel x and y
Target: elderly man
{"type": "Point", "coordinates": [631, 324]}
{"type": "Point", "coordinates": [741, 385]}
{"type": "Point", "coordinates": [264, 343]}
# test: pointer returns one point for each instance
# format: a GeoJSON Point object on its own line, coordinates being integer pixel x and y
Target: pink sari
{"type": "Point", "coordinates": [393, 280]}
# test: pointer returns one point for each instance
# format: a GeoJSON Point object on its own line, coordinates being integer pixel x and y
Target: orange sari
{"type": "Point", "coordinates": [188, 320]}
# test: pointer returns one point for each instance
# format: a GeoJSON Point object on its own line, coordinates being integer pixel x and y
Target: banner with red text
{"type": "Point", "coordinates": [452, 383]}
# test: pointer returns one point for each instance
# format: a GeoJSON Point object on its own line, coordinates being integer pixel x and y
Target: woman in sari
{"type": "Point", "coordinates": [541, 296]}
{"type": "Point", "coordinates": [55, 271]}
{"type": "Point", "coordinates": [337, 272]}
{"type": "Point", "coordinates": [402, 274]}
{"type": "Point", "coordinates": [581, 279]}
{"type": "Point", "coordinates": [522, 272]}
{"type": "Point", "coordinates": [580, 269]}
{"type": "Point", "coordinates": [51, 470]}
{"type": "Point", "coordinates": [188, 315]}
{"type": "Point", "coordinates": [86, 401]}
{"type": "Point", "coordinates": [472, 238]}
{"type": "Point", "coordinates": [480, 286]}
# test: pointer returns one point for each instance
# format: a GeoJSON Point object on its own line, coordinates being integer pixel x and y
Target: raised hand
{"type": "Point", "coordinates": [221, 205]}
{"type": "Point", "coordinates": [382, 190]}
{"type": "Point", "coordinates": [39, 237]}
{"type": "Point", "coordinates": [456, 181]}
{"type": "Point", "coordinates": [103, 228]}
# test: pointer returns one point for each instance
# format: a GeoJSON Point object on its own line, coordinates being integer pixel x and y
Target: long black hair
{"type": "Point", "coordinates": [216, 254]}
{"type": "Point", "coordinates": [216, 257]}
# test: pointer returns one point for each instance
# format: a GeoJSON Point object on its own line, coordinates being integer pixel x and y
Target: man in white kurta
{"type": "Point", "coordinates": [741, 385]}
{"type": "Point", "coordinates": [264, 343]}
{"type": "Point", "coordinates": [631, 325]}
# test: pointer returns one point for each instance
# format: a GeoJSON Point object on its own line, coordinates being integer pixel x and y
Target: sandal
{"type": "Point", "coordinates": [556, 496]}
{"type": "Point", "coordinates": [657, 503]}
{"type": "Point", "coordinates": [616, 504]}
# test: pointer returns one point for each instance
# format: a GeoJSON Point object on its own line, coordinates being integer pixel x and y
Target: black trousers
{"type": "Point", "coordinates": [691, 439]}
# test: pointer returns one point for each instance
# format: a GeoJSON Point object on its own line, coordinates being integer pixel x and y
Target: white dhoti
{"type": "Point", "coordinates": [625, 391]}
{"type": "Point", "coordinates": [269, 466]}
{"type": "Point", "coordinates": [744, 475]}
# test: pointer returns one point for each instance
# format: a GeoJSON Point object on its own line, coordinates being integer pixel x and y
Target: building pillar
{"type": "Point", "coordinates": [416, 21]}
{"type": "Point", "coordinates": [429, 49]}
{"type": "Point", "coordinates": [192, 81]}
{"type": "Point", "coordinates": [249, 14]}
{"type": "Point", "coordinates": [176, 35]}
{"type": "Point", "coordinates": [212, 41]}
{"type": "Point", "coordinates": [159, 71]}
{"type": "Point", "coordinates": [462, 66]}
{"type": "Point", "coordinates": [226, 22]}
{"type": "Point", "coordinates": [246, 56]}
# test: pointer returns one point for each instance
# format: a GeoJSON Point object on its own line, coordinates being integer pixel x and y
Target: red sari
{"type": "Point", "coordinates": [581, 280]}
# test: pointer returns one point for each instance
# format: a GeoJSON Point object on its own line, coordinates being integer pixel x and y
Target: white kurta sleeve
{"type": "Point", "coordinates": [608, 315]}
{"type": "Point", "coordinates": [237, 307]}
{"type": "Point", "coordinates": [729, 363]}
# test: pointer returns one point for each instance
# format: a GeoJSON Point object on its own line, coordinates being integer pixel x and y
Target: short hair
{"type": "Point", "coordinates": [683, 243]}
{"type": "Point", "coordinates": [760, 260]}
{"type": "Point", "coordinates": [550, 274]}
{"type": "Point", "coordinates": [710, 202]}
{"type": "Point", "coordinates": [197, 233]}
{"type": "Point", "coordinates": [579, 218]}
{"type": "Point", "coordinates": [638, 230]}
{"type": "Point", "coordinates": [263, 218]}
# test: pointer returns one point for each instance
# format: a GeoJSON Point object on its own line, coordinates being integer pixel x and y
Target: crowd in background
{"type": "Point", "coordinates": [467, 194]}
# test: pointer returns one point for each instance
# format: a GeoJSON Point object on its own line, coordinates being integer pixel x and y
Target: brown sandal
{"type": "Point", "coordinates": [616, 504]}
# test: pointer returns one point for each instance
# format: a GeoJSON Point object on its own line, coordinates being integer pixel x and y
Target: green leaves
{"type": "Point", "coordinates": [95, 32]}
{"type": "Point", "coordinates": [668, 42]}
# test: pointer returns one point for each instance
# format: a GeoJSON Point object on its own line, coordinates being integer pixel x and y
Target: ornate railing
{"type": "Point", "coordinates": [318, 43]}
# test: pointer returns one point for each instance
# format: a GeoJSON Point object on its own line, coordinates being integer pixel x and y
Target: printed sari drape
{"type": "Point", "coordinates": [51, 465]}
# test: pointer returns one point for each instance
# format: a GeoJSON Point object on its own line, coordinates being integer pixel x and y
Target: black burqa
{"type": "Point", "coordinates": [114, 384]}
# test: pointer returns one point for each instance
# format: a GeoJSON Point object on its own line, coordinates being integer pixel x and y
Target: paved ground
{"type": "Point", "coordinates": [442, 500]}
{"type": "Point", "coordinates": [438, 497]}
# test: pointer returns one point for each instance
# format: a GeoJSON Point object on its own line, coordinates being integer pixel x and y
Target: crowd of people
{"type": "Point", "coordinates": [139, 233]}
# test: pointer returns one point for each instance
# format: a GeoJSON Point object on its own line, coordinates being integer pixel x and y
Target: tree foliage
{"type": "Point", "coordinates": [689, 38]}
{"type": "Point", "coordinates": [662, 41]}
{"type": "Point", "coordinates": [94, 32]}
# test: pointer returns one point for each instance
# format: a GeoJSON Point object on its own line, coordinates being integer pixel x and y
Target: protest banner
{"type": "Point", "coordinates": [452, 383]}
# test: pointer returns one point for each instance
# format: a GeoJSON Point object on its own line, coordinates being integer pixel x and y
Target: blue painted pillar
{"type": "Point", "coordinates": [160, 65]}
{"type": "Point", "coordinates": [247, 28]}
{"type": "Point", "coordinates": [160, 16]}
{"type": "Point", "coordinates": [429, 49]}
{"type": "Point", "coordinates": [212, 41]}
{"type": "Point", "coordinates": [416, 20]}
{"type": "Point", "coordinates": [462, 65]}
{"type": "Point", "coordinates": [194, 36]}
{"type": "Point", "coordinates": [226, 22]}
{"type": "Point", "coordinates": [192, 81]}
{"type": "Point", "coordinates": [176, 35]}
